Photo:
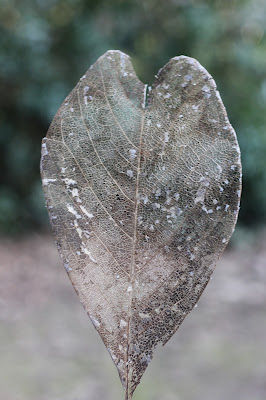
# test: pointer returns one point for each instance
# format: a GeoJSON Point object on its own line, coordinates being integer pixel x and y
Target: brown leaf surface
{"type": "Point", "coordinates": [143, 195]}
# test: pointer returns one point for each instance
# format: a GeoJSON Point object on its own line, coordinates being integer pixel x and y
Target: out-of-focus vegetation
{"type": "Point", "coordinates": [45, 46]}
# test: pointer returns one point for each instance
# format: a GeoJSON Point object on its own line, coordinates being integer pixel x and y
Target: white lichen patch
{"type": "Point", "coordinates": [130, 173]}
{"type": "Point", "coordinates": [173, 212]}
{"type": "Point", "coordinates": [72, 210]}
{"type": "Point", "coordinates": [200, 195]}
{"type": "Point", "coordinates": [188, 78]}
{"type": "Point", "coordinates": [144, 315]}
{"type": "Point", "coordinates": [166, 137]}
{"type": "Point", "coordinates": [140, 220]}
{"type": "Point", "coordinates": [46, 181]}
{"type": "Point", "coordinates": [67, 267]}
{"type": "Point", "coordinates": [210, 211]}
{"type": "Point", "coordinates": [219, 168]}
{"type": "Point", "coordinates": [158, 193]}
{"type": "Point", "coordinates": [123, 57]}
{"type": "Point", "coordinates": [78, 228]}
{"type": "Point", "coordinates": [44, 150]}
{"type": "Point", "coordinates": [145, 199]}
{"type": "Point", "coordinates": [95, 321]}
{"type": "Point", "coordinates": [176, 196]}
{"type": "Point", "coordinates": [129, 289]}
{"type": "Point", "coordinates": [146, 359]}
{"type": "Point", "coordinates": [88, 214]}
{"type": "Point", "coordinates": [86, 251]}
{"type": "Point", "coordinates": [226, 207]}
{"type": "Point", "coordinates": [75, 192]}
{"type": "Point", "coordinates": [123, 323]}
{"type": "Point", "coordinates": [69, 182]}
{"type": "Point", "coordinates": [236, 149]}
{"type": "Point", "coordinates": [168, 200]}
{"type": "Point", "coordinates": [206, 89]}
{"type": "Point", "coordinates": [179, 211]}
{"type": "Point", "coordinates": [204, 181]}
{"type": "Point", "coordinates": [132, 153]}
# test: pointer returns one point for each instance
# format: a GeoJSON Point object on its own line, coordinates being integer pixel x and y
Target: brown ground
{"type": "Point", "coordinates": [50, 351]}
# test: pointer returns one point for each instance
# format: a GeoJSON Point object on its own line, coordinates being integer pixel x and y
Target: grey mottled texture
{"type": "Point", "coordinates": [143, 195]}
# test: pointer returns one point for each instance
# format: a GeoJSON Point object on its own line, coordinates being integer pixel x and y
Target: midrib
{"type": "Point", "coordinates": [132, 267]}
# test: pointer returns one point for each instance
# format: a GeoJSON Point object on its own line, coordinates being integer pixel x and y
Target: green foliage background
{"type": "Point", "coordinates": [45, 46]}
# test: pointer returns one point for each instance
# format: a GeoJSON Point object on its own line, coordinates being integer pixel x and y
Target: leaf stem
{"type": "Point", "coordinates": [128, 396]}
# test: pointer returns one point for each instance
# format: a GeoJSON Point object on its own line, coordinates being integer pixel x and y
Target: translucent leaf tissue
{"type": "Point", "coordinates": [143, 188]}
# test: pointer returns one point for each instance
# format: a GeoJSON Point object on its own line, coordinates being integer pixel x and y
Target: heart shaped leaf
{"type": "Point", "coordinates": [142, 188]}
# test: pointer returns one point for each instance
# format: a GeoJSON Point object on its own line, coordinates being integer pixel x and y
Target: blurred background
{"type": "Point", "coordinates": [48, 348]}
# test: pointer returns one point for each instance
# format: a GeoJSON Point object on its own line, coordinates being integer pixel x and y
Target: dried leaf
{"type": "Point", "coordinates": [143, 195]}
